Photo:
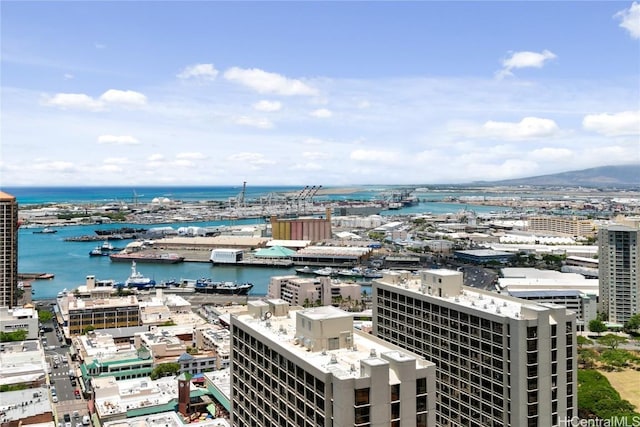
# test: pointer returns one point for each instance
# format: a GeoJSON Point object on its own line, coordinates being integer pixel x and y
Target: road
{"type": "Point", "coordinates": [68, 402]}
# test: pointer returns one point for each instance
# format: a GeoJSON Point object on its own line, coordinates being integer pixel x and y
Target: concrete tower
{"type": "Point", "coordinates": [8, 250]}
{"type": "Point", "coordinates": [619, 272]}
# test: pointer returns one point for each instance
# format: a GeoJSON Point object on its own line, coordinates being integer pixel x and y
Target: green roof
{"type": "Point", "coordinates": [148, 410]}
{"type": "Point", "coordinates": [275, 252]}
{"type": "Point", "coordinates": [220, 397]}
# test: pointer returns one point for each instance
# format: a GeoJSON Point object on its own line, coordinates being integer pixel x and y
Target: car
{"type": "Point", "coordinates": [54, 398]}
{"type": "Point", "coordinates": [86, 420]}
{"type": "Point", "coordinates": [77, 393]}
{"type": "Point", "coordinates": [68, 424]}
{"type": "Point", "coordinates": [67, 418]}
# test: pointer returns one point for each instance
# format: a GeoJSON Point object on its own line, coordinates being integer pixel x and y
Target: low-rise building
{"type": "Point", "coordinates": [306, 291]}
{"type": "Point", "coordinates": [117, 400]}
{"type": "Point", "coordinates": [165, 419]}
{"type": "Point", "coordinates": [100, 313]}
{"type": "Point", "coordinates": [19, 318]}
{"type": "Point", "coordinates": [22, 364]}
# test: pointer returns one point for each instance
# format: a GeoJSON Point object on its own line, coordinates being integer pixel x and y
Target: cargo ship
{"type": "Point", "coordinates": [148, 257]}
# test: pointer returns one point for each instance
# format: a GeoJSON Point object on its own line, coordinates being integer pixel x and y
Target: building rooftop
{"type": "Point", "coordinates": [484, 301]}
{"type": "Point", "coordinates": [165, 419]}
{"type": "Point", "coordinates": [115, 397]}
{"type": "Point", "coordinates": [20, 404]}
{"type": "Point", "coordinates": [343, 362]}
{"type": "Point", "coordinates": [21, 362]}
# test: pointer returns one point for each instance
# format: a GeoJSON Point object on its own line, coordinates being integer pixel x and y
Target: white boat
{"type": "Point", "coordinates": [305, 270]}
{"type": "Point", "coordinates": [352, 272]}
{"type": "Point", "coordinates": [137, 280]}
{"type": "Point", "coordinates": [326, 271]}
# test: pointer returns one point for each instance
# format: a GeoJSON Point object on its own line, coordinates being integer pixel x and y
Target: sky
{"type": "Point", "coordinates": [330, 93]}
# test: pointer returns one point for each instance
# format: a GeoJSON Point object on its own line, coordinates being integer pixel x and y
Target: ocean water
{"type": "Point", "coordinates": [71, 264]}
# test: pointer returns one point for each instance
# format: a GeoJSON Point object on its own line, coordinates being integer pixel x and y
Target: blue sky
{"type": "Point", "coordinates": [323, 93]}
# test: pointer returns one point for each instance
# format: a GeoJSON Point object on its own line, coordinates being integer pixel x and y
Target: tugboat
{"type": "Point", "coordinates": [137, 280]}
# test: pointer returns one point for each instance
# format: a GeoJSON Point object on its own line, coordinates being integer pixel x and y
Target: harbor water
{"type": "Point", "coordinates": [70, 262]}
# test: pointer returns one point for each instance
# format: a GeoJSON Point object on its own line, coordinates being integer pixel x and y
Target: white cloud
{"type": "Point", "coordinates": [630, 19]}
{"type": "Point", "coordinates": [198, 71]}
{"type": "Point", "coordinates": [68, 76]}
{"type": "Point", "coordinates": [124, 97]}
{"type": "Point", "coordinates": [118, 140]}
{"type": "Point", "coordinates": [257, 122]}
{"type": "Point", "coordinates": [100, 45]}
{"type": "Point", "coordinates": [364, 104]}
{"type": "Point", "coordinates": [254, 159]}
{"type": "Point", "coordinates": [314, 141]}
{"type": "Point", "coordinates": [265, 82]}
{"type": "Point", "coordinates": [54, 166]}
{"type": "Point", "coordinates": [316, 155]}
{"type": "Point", "coordinates": [623, 123]}
{"type": "Point", "coordinates": [309, 166]}
{"type": "Point", "coordinates": [267, 106]}
{"type": "Point", "coordinates": [191, 155]}
{"type": "Point", "coordinates": [116, 161]}
{"type": "Point", "coordinates": [529, 127]}
{"type": "Point", "coordinates": [110, 168]}
{"type": "Point", "coordinates": [155, 157]}
{"type": "Point", "coordinates": [81, 101]}
{"type": "Point", "coordinates": [183, 163]}
{"type": "Point", "coordinates": [524, 59]}
{"type": "Point", "coordinates": [373, 156]}
{"type": "Point", "coordinates": [321, 113]}
{"type": "Point", "coordinates": [78, 101]}
{"type": "Point", "coordinates": [551, 154]}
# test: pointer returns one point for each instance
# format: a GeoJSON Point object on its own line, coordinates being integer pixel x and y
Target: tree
{"type": "Point", "coordinates": [633, 324]}
{"type": "Point", "coordinates": [165, 370]}
{"type": "Point", "coordinates": [18, 335]}
{"type": "Point", "coordinates": [582, 340]}
{"type": "Point", "coordinates": [597, 326]}
{"type": "Point", "coordinates": [45, 316]}
{"type": "Point", "coordinates": [612, 341]}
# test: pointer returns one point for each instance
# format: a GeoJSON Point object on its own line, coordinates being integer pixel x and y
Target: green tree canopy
{"type": "Point", "coordinates": [633, 324]}
{"type": "Point", "coordinates": [45, 316]}
{"type": "Point", "coordinates": [18, 335]}
{"type": "Point", "coordinates": [597, 326]}
{"type": "Point", "coordinates": [612, 340]}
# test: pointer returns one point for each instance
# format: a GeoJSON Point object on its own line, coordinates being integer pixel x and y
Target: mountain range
{"type": "Point", "coordinates": [621, 176]}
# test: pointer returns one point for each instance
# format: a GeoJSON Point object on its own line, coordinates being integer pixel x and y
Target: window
{"type": "Point", "coordinates": [395, 392]}
{"type": "Point", "coordinates": [362, 396]}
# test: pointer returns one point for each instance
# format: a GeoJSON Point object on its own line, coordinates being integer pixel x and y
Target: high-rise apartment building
{"type": "Point", "coordinates": [499, 360]}
{"type": "Point", "coordinates": [311, 368]}
{"type": "Point", "coordinates": [619, 272]}
{"type": "Point", "coordinates": [8, 250]}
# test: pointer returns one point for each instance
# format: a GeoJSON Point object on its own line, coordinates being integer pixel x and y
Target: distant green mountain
{"type": "Point", "coordinates": [623, 176]}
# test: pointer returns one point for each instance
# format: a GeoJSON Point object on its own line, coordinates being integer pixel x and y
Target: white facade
{"type": "Point", "coordinates": [306, 291]}
{"type": "Point", "coordinates": [311, 368]}
{"type": "Point", "coordinates": [226, 256]}
{"type": "Point", "coordinates": [500, 360]}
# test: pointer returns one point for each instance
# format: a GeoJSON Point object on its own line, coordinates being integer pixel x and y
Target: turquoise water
{"type": "Point", "coordinates": [70, 261]}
